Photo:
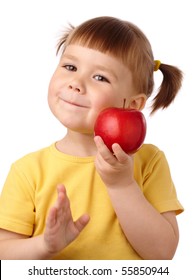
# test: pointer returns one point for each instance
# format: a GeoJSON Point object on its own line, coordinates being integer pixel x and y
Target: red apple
{"type": "Point", "coordinates": [127, 127]}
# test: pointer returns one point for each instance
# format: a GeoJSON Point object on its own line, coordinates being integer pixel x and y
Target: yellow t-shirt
{"type": "Point", "coordinates": [30, 190]}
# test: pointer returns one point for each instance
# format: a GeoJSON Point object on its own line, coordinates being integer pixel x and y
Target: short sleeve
{"type": "Point", "coordinates": [17, 210]}
{"type": "Point", "coordinates": [158, 186]}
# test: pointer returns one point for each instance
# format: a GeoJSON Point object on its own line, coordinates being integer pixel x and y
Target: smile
{"type": "Point", "coordinates": [74, 103]}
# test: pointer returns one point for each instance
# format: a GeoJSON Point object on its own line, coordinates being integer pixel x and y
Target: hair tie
{"type": "Point", "coordinates": [157, 64]}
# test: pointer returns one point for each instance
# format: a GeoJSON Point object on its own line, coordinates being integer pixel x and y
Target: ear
{"type": "Point", "coordinates": [137, 101]}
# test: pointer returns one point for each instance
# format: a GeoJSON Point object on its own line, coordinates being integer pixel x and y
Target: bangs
{"type": "Point", "coordinates": [107, 35]}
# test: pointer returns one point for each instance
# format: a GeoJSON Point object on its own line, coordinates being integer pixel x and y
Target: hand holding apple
{"type": "Point", "coordinates": [116, 167]}
{"type": "Point", "coordinates": [127, 127]}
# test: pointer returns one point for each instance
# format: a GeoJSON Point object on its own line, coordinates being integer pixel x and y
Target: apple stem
{"type": "Point", "coordinates": [124, 102]}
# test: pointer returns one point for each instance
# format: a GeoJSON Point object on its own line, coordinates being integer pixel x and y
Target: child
{"type": "Point", "coordinates": [107, 205]}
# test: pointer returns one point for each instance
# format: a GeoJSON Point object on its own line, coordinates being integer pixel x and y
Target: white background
{"type": "Point", "coordinates": [29, 31]}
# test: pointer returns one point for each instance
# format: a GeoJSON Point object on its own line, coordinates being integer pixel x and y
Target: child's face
{"type": "Point", "coordinates": [85, 82]}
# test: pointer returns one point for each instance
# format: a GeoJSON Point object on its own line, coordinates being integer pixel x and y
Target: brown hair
{"type": "Point", "coordinates": [128, 43]}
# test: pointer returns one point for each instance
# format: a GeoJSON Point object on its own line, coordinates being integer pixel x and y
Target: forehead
{"type": "Point", "coordinates": [89, 55]}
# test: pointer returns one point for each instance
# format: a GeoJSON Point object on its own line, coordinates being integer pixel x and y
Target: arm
{"type": "Point", "coordinates": [14, 246]}
{"type": "Point", "coordinates": [60, 231]}
{"type": "Point", "coordinates": [151, 234]}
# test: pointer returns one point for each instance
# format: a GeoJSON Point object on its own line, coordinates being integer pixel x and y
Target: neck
{"type": "Point", "coordinates": [77, 144]}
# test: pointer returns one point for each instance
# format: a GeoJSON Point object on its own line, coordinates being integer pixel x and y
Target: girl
{"type": "Point", "coordinates": [107, 205]}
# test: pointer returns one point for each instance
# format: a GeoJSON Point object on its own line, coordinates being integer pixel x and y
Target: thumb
{"type": "Point", "coordinates": [81, 223]}
{"type": "Point", "coordinates": [121, 156]}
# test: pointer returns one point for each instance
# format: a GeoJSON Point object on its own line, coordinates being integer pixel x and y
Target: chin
{"type": "Point", "coordinates": [80, 130]}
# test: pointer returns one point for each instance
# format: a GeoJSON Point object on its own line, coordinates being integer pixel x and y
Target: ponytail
{"type": "Point", "coordinates": [171, 83]}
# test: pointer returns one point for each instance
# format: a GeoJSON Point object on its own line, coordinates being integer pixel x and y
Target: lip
{"type": "Point", "coordinates": [74, 103]}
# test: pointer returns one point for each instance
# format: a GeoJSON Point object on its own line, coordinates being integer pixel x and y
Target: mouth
{"type": "Point", "coordinates": [74, 103]}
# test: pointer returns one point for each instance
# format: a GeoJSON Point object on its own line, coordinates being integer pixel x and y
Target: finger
{"type": "Point", "coordinates": [82, 222]}
{"type": "Point", "coordinates": [99, 142]}
{"type": "Point", "coordinates": [62, 196]}
{"type": "Point", "coordinates": [54, 211]}
{"type": "Point", "coordinates": [104, 151]}
{"type": "Point", "coordinates": [63, 203]}
{"type": "Point", "coordinates": [61, 189]}
{"type": "Point", "coordinates": [121, 156]}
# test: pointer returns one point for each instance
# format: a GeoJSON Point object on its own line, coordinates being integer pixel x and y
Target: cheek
{"type": "Point", "coordinates": [103, 102]}
{"type": "Point", "coordinates": [106, 102]}
{"type": "Point", "coordinates": [55, 83]}
{"type": "Point", "coordinates": [100, 103]}
{"type": "Point", "coordinates": [52, 86]}
{"type": "Point", "coordinates": [51, 94]}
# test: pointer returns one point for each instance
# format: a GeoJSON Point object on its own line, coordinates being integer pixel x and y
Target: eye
{"type": "Point", "coordinates": [101, 78]}
{"type": "Point", "coordinates": [70, 67]}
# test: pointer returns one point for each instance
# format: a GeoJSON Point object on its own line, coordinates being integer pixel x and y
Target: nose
{"type": "Point", "coordinates": [76, 87]}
